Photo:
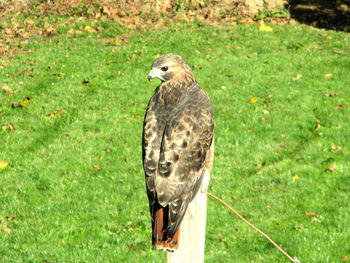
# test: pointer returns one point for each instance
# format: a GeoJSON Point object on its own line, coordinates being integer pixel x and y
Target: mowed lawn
{"type": "Point", "coordinates": [74, 188]}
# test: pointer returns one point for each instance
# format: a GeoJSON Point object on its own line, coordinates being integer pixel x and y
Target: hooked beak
{"type": "Point", "coordinates": [150, 75]}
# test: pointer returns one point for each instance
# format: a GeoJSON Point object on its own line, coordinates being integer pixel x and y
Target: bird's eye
{"type": "Point", "coordinates": [165, 68]}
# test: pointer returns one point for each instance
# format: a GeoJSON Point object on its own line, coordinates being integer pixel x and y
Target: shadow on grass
{"type": "Point", "coordinates": [322, 13]}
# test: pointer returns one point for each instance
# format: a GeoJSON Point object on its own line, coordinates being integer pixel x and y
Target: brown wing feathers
{"type": "Point", "coordinates": [178, 132]}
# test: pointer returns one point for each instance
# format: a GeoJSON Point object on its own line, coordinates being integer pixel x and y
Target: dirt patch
{"type": "Point", "coordinates": [322, 13]}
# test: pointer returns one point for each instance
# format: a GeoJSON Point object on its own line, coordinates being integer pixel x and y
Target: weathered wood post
{"type": "Point", "coordinates": [192, 231]}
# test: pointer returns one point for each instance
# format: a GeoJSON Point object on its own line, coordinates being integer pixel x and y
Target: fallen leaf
{"type": "Point", "coordinates": [29, 22]}
{"type": "Point", "coordinates": [19, 73]}
{"type": "Point", "coordinates": [315, 219]}
{"type": "Point", "coordinates": [318, 125]}
{"type": "Point", "coordinates": [310, 213]}
{"type": "Point", "coordinates": [122, 74]}
{"type": "Point", "coordinates": [3, 165]}
{"type": "Point", "coordinates": [100, 29]}
{"type": "Point", "coordinates": [339, 51]}
{"type": "Point", "coordinates": [8, 126]}
{"type": "Point", "coordinates": [132, 58]}
{"type": "Point", "coordinates": [328, 93]}
{"type": "Point", "coordinates": [332, 169]}
{"type": "Point", "coordinates": [71, 32]}
{"type": "Point", "coordinates": [338, 107]}
{"type": "Point", "coordinates": [299, 228]}
{"type": "Point", "coordinates": [335, 148]}
{"type": "Point", "coordinates": [51, 115]}
{"type": "Point", "coordinates": [21, 104]}
{"type": "Point", "coordinates": [131, 246]}
{"type": "Point", "coordinates": [126, 40]}
{"type": "Point", "coordinates": [298, 76]}
{"type": "Point", "coordinates": [8, 90]}
{"type": "Point", "coordinates": [268, 99]}
{"type": "Point", "coordinates": [89, 29]}
{"type": "Point", "coordinates": [12, 217]}
{"type": "Point", "coordinates": [252, 100]}
{"type": "Point", "coordinates": [54, 114]}
{"type": "Point", "coordinates": [265, 28]}
{"type": "Point", "coordinates": [60, 75]}
{"type": "Point", "coordinates": [47, 25]}
{"type": "Point", "coordinates": [85, 82]}
{"type": "Point", "coordinates": [116, 41]}
{"type": "Point", "coordinates": [50, 31]}
{"type": "Point", "coordinates": [345, 258]}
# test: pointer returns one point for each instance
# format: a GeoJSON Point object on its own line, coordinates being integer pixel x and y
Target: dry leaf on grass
{"type": "Point", "coordinates": [295, 177]}
{"type": "Point", "coordinates": [85, 82]}
{"type": "Point", "coordinates": [89, 29]}
{"type": "Point", "coordinates": [8, 90]}
{"type": "Point", "coordinates": [310, 213]}
{"type": "Point", "coordinates": [298, 76]}
{"type": "Point", "coordinates": [8, 127]}
{"type": "Point", "coordinates": [338, 107]}
{"type": "Point", "coordinates": [96, 167]}
{"type": "Point", "coordinates": [335, 148]}
{"type": "Point", "coordinates": [12, 217]}
{"type": "Point", "coordinates": [21, 104]}
{"type": "Point", "coordinates": [252, 100]}
{"type": "Point", "coordinates": [332, 169]}
{"type": "Point", "coordinates": [54, 114]}
{"type": "Point", "coordinates": [51, 115]}
{"type": "Point", "coordinates": [116, 41]}
{"type": "Point", "coordinates": [318, 125]}
{"type": "Point", "coordinates": [3, 165]}
{"type": "Point", "coordinates": [265, 28]}
{"type": "Point", "coordinates": [328, 93]}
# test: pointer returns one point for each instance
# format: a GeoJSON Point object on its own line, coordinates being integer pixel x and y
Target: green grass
{"type": "Point", "coordinates": [66, 211]}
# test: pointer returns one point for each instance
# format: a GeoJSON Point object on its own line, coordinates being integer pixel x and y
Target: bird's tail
{"type": "Point", "coordinates": [160, 238]}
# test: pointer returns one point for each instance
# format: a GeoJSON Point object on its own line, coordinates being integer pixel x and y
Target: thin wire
{"type": "Point", "coordinates": [295, 260]}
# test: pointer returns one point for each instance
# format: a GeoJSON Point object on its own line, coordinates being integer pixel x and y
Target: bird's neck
{"type": "Point", "coordinates": [173, 91]}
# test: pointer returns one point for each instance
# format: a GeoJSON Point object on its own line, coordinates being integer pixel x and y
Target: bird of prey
{"type": "Point", "coordinates": [177, 146]}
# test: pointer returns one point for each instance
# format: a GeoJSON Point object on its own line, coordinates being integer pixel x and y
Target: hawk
{"type": "Point", "coordinates": [177, 146]}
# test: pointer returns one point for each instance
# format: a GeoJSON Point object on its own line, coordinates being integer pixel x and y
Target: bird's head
{"type": "Point", "coordinates": [170, 67]}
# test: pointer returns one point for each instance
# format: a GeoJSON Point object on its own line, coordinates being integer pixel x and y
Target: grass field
{"type": "Point", "coordinates": [74, 188]}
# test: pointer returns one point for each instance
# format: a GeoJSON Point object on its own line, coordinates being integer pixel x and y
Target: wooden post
{"type": "Point", "coordinates": [192, 231]}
